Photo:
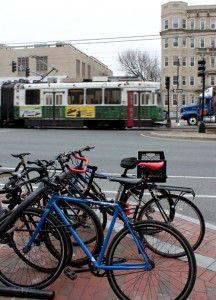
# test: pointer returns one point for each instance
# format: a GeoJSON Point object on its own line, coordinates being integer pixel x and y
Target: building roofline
{"type": "Point", "coordinates": [50, 45]}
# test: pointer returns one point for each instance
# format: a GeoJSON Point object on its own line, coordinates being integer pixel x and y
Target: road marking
{"type": "Point", "coordinates": [169, 176]}
{"type": "Point", "coordinates": [197, 196]}
{"type": "Point", "coordinates": [183, 139]}
{"type": "Point", "coordinates": [4, 169]}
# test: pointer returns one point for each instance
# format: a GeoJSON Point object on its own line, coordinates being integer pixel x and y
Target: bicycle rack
{"type": "Point", "coordinates": [26, 293]}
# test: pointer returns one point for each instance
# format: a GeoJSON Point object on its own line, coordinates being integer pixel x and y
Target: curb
{"type": "Point", "coordinates": [178, 137]}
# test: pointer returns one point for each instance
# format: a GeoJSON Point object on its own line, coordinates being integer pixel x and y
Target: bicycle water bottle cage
{"type": "Point", "coordinates": [129, 163]}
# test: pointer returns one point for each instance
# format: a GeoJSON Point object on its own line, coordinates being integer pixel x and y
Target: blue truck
{"type": "Point", "coordinates": [192, 113]}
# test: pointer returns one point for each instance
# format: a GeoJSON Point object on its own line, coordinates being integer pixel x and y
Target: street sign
{"type": "Point", "coordinates": [177, 90]}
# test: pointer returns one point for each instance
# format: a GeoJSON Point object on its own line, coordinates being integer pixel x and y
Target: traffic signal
{"type": "Point", "coordinates": [201, 68]}
{"type": "Point", "coordinates": [14, 66]}
{"type": "Point", "coordinates": [27, 72]}
{"type": "Point", "coordinates": [167, 82]}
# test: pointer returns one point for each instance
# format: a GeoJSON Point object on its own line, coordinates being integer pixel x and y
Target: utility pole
{"type": "Point", "coordinates": [167, 85]}
{"type": "Point", "coordinates": [139, 109]}
{"type": "Point", "coordinates": [177, 106]}
{"type": "Point", "coordinates": [201, 73]}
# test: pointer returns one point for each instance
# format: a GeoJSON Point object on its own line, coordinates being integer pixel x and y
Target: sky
{"type": "Point", "coordinates": [47, 20]}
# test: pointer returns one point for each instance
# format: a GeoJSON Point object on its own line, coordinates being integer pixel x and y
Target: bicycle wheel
{"type": "Point", "coordinates": [37, 268]}
{"type": "Point", "coordinates": [187, 218]}
{"type": "Point", "coordinates": [168, 279]}
{"type": "Point", "coordinates": [78, 188]}
{"type": "Point", "coordinates": [88, 227]}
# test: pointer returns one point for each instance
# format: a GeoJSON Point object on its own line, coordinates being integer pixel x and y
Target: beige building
{"type": "Point", "coordinates": [188, 34]}
{"type": "Point", "coordinates": [41, 58]}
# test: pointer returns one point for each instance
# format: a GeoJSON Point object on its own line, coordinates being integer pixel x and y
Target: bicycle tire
{"type": "Point", "coordinates": [180, 222]}
{"type": "Point", "coordinates": [24, 272]}
{"type": "Point", "coordinates": [175, 282]}
{"type": "Point", "coordinates": [45, 239]}
{"type": "Point", "coordinates": [93, 238]}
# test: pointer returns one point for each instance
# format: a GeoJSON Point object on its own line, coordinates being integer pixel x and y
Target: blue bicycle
{"type": "Point", "coordinates": [139, 261]}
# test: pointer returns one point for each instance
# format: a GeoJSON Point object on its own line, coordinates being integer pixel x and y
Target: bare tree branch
{"type": "Point", "coordinates": [140, 64]}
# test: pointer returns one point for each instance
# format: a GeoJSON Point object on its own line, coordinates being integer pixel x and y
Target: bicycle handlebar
{"type": "Point", "coordinates": [79, 170]}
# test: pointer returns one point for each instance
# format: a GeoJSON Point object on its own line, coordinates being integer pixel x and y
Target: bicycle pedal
{"type": "Point", "coordinates": [70, 273]}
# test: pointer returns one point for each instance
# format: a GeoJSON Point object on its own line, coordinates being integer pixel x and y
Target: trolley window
{"type": "Point", "coordinates": [75, 96]}
{"type": "Point", "coordinates": [49, 99]}
{"type": "Point", "coordinates": [135, 99]}
{"type": "Point", "coordinates": [32, 97]}
{"type": "Point", "coordinates": [112, 96]}
{"type": "Point", "coordinates": [58, 99]}
{"type": "Point", "coordinates": [94, 96]}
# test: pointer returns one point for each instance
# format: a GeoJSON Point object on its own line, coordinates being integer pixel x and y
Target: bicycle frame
{"type": "Point", "coordinates": [53, 206]}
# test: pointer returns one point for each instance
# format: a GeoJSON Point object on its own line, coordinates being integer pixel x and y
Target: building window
{"type": "Point", "coordinates": [184, 61]}
{"type": "Point", "coordinates": [213, 24]}
{"type": "Point", "coordinates": [93, 96]}
{"type": "Point", "coordinates": [175, 80]}
{"type": "Point", "coordinates": [175, 22]}
{"type": "Point", "coordinates": [184, 24]}
{"type": "Point", "coordinates": [175, 41]}
{"type": "Point", "coordinates": [89, 71]}
{"type": "Point", "coordinates": [202, 24]}
{"type": "Point", "coordinates": [166, 61]}
{"type": "Point", "coordinates": [183, 99]}
{"type": "Point", "coordinates": [192, 82]}
{"type": "Point", "coordinates": [166, 43]}
{"type": "Point", "coordinates": [41, 63]}
{"type": "Point", "coordinates": [192, 61]}
{"type": "Point", "coordinates": [183, 80]}
{"type": "Point", "coordinates": [175, 61]}
{"type": "Point", "coordinates": [192, 98]}
{"type": "Point", "coordinates": [212, 61]}
{"type": "Point", "coordinates": [83, 69]}
{"type": "Point", "coordinates": [112, 96]}
{"type": "Point", "coordinates": [202, 42]}
{"type": "Point", "coordinates": [75, 96]}
{"type": "Point", "coordinates": [213, 42]}
{"type": "Point", "coordinates": [32, 97]}
{"type": "Point", "coordinates": [212, 80]}
{"type": "Point", "coordinates": [192, 24]}
{"type": "Point", "coordinates": [184, 41]}
{"type": "Point", "coordinates": [174, 99]}
{"type": "Point", "coordinates": [77, 68]}
{"type": "Point", "coordinates": [23, 63]}
{"type": "Point", "coordinates": [192, 42]}
{"type": "Point", "coordinates": [165, 25]}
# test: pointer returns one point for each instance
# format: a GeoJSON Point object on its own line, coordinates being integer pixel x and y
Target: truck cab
{"type": "Point", "coordinates": [192, 113]}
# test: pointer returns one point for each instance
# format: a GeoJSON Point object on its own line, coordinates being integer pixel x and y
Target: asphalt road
{"type": "Point", "coordinates": [190, 163]}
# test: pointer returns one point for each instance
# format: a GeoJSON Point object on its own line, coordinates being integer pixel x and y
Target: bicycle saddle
{"type": "Point", "coordinates": [129, 163]}
{"type": "Point", "coordinates": [152, 166]}
{"type": "Point", "coordinates": [127, 181]}
{"type": "Point", "coordinates": [20, 155]}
